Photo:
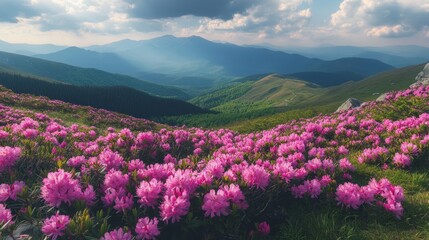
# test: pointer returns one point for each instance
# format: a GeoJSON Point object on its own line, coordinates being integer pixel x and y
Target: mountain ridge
{"type": "Point", "coordinates": [82, 76]}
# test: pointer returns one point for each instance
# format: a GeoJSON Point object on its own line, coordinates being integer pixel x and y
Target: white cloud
{"type": "Point", "coordinates": [272, 17]}
{"type": "Point", "coordinates": [382, 18]}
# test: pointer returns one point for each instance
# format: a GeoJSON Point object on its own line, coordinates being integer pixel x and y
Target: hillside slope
{"type": "Point", "coordinates": [276, 98]}
{"type": "Point", "coordinates": [82, 76]}
{"type": "Point", "coordinates": [114, 98]}
{"type": "Point", "coordinates": [364, 90]}
{"type": "Point", "coordinates": [358, 174]}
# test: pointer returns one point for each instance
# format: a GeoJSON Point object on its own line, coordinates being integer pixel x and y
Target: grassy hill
{"type": "Point", "coordinates": [268, 101]}
{"type": "Point", "coordinates": [325, 79]}
{"type": "Point", "coordinates": [115, 98]}
{"type": "Point", "coordinates": [82, 76]}
{"type": "Point", "coordinates": [365, 90]}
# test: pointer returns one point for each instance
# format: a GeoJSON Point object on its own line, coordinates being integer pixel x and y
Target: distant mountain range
{"type": "Point", "coordinates": [398, 56]}
{"type": "Point", "coordinates": [197, 65]}
{"type": "Point", "coordinates": [81, 76]}
{"type": "Point", "coordinates": [83, 58]}
{"type": "Point", "coordinates": [196, 56]}
{"type": "Point", "coordinates": [191, 66]}
{"type": "Point", "coordinates": [29, 49]}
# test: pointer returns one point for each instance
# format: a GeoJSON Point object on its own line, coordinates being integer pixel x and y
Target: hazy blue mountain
{"type": "Point", "coordinates": [111, 62]}
{"type": "Point", "coordinates": [79, 57]}
{"type": "Point", "coordinates": [29, 49]}
{"type": "Point", "coordinates": [193, 85]}
{"type": "Point", "coordinates": [362, 66]}
{"type": "Point", "coordinates": [197, 57]}
{"type": "Point", "coordinates": [82, 76]}
{"type": "Point", "coordinates": [392, 59]}
{"type": "Point", "coordinates": [408, 51]}
{"type": "Point", "coordinates": [397, 56]}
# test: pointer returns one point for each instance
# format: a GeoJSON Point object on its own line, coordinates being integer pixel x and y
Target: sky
{"type": "Point", "coordinates": [276, 22]}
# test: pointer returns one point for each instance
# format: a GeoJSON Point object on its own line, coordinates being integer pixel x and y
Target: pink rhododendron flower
{"type": "Point", "coordinates": [264, 228]}
{"type": "Point", "coordinates": [175, 206]}
{"type": "Point", "coordinates": [313, 165]}
{"type": "Point", "coordinates": [235, 195]}
{"type": "Point", "coordinates": [343, 150]}
{"type": "Point", "coordinates": [314, 188]}
{"type": "Point", "coordinates": [3, 134]}
{"type": "Point", "coordinates": [4, 192]}
{"type": "Point", "coordinates": [299, 191]}
{"type": "Point", "coordinates": [346, 165]}
{"type": "Point", "coordinates": [135, 164]}
{"type": "Point", "coordinates": [169, 159]}
{"type": "Point", "coordinates": [60, 187]}
{"type": "Point", "coordinates": [256, 176]}
{"type": "Point", "coordinates": [402, 160]}
{"type": "Point", "coordinates": [216, 203]}
{"type": "Point", "coordinates": [409, 148]}
{"type": "Point", "coordinates": [55, 226]}
{"type": "Point", "coordinates": [5, 216]}
{"type": "Point", "coordinates": [117, 234]}
{"type": "Point", "coordinates": [16, 189]}
{"type": "Point", "coordinates": [110, 160]}
{"type": "Point", "coordinates": [76, 161]}
{"type": "Point", "coordinates": [89, 195]}
{"type": "Point", "coordinates": [124, 203]}
{"type": "Point", "coordinates": [147, 228]}
{"type": "Point", "coordinates": [115, 179]}
{"type": "Point", "coordinates": [8, 157]}
{"type": "Point", "coordinates": [349, 195]}
{"type": "Point", "coordinates": [149, 192]}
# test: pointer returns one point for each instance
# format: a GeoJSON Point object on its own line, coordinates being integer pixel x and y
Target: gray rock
{"type": "Point", "coordinates": [422, 79]}
{"type": "Point", "coordinates": [382, 97]}
{"type": "Point", "coordinates": [349, 104]}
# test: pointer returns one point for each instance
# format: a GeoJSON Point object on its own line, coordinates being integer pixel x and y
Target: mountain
{"type": "Point", "coordinates": [196, 56]}
{"type": "Point", "coordinates": [79, 57]}
{"type": "Point", "coordinates": [361, 66]}
{"type": "Point", "coordinates": [398, 56]}
{"type": "Point", "coordinates": [114, 98]}
{"type": "Point", "coordinates": [327, 79]}
{"type": "Point", "coordinates": [111, 62]}
{"type": "Point", "coordinates": [393, 60]}
{"type": "Point", "coordinates": [29, 49]}
{"type": "Point", "coordinates": [192, 85]}
{"type": "Point", "coordinates": [82, 76]}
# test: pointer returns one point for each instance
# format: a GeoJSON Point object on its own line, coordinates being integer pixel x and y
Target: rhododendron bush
{"type": "Point", "coordinates": [72, 181]}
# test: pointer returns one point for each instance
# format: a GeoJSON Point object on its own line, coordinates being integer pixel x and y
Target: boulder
{"type": "Point", "coordinates": [349, 104]}
{"type": "Point", "coordinates": [382, 97]}
{"type": "Point", "coordinates": [422, 78]}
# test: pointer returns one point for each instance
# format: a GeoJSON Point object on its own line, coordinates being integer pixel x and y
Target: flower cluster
{"type": "Point", "coordinates": [126, 184]}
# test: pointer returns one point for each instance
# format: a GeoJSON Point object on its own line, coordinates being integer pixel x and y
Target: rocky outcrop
{"type": "Point", "coordinates": [422, 78]}
{"type": "Point", "coordinates": [382, 97]}
{"type": "Point", "coordinates": [349, 104]}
